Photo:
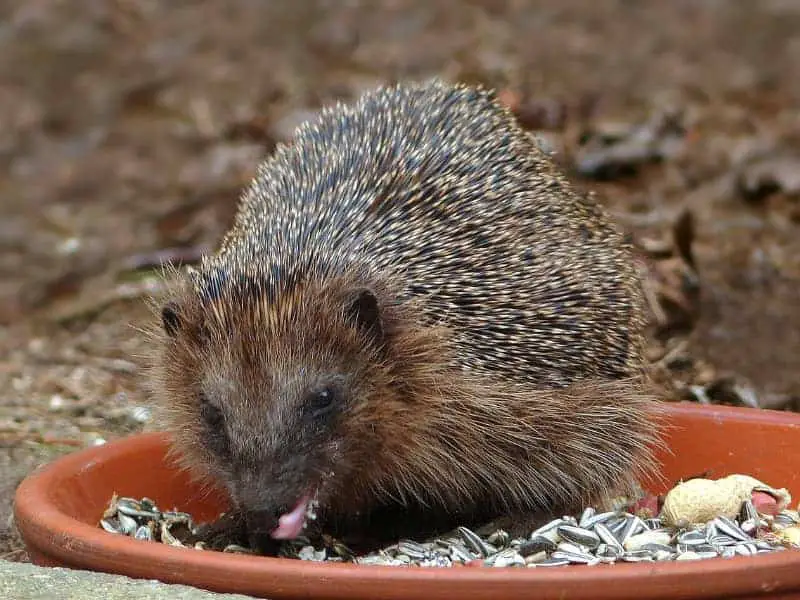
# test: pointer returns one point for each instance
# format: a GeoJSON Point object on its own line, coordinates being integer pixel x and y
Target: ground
{"type": "Point", "coordinates": [128, 128]}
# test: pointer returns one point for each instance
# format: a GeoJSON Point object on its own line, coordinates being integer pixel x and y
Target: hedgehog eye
{"type": "Point", "coordinates": [322, 402]}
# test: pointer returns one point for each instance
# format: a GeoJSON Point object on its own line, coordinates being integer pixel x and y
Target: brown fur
{"type": "Point", "coordinates": [420, 432]}
{"type": "Point", "coordinates": [414, 426]}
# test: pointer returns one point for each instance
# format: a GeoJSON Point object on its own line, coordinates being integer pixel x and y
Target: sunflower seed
{"type": "Point", "coordinates": [592, 521]}
{"type": "Point", "coordinates": [637, 556]}
{"type": "Point", "coordinates": [748, 511]}
{"type": "Point", "coordinates": [632, 526]}
{"type": "Point", "coordinates": [763, 545]}
{"type": "Point", "coordinates": [609, 551]}
{"type": "Point", "coordinates": [176, 516]}
{"type": "Point", "coordinates": [551, 562]}
{"type": "Point", "coordinates": [750, 526]}
{"type": "Point", "coordinates": [616, 525]}
{"type": "Point", "coordinates": [131, 508]}
{"type": "Point", "coordinates": [460, 553]}
{"type": "Point", "coordinates": [237, 549]}
{"type": "Point", "coordinates": [692, 538]}
{"type": "Point", "coordinates": [447, 541]}
{"type": "Point", "coordinates": [407, 560]}
{"type": "Point", "coordinates": [413, 549]}
{"type": "Point", "coordinates": [167, 537]}
{"type": "Point", "coordinates": [125, 503]}
{"type": "Point", "coordinates": [474, 542]}
{"type": "Point", "coordinates": [729, 527]}
{"type": "Point", "coordinates": [655, 547]}
{"type": "Point", "coordinates": [436, 561]}
{"type": "Point", "coordinates": [607, 537]}
{"type": "Point", "coordinates": [144, 532]}
{"type": "Point", "coordinates": [127, 525]}
{"type": "Point", "coordinates": [787, 518]}
{"type": "Point", "coordinates": [506, 558]}
{"type": "Point", "coordinates": [499, 538]}
{"type": "Point", "coordinates": [310, 553]}
{"type": "Point", "coordinates": [586, 515]}
{"type": "Point", "coordinates": [575, 557]}
{"type": "Point", "coordinates": [377, 559]}
{"type": "Point", "coordinates": [570, 547]}
{"type": "Point", "coordinates": [342, 551]}
{"type": "Point", "coordinates": [654, 523]}
{"type": "Point", "coordinates": [580, 536]}
{"type": "Point", "coordinates": [648, 537]}
{"type": "Point", "coordinates": [711, 530]}
{"type": "Point", "coordinates": [111, 525]}
{"type": "Point", "coordinates": [537, 544]}
{"type": "Point", "coordinates": [745, 549]}
{"type": "Point", "coordinates": [536, 557]}
{"type": "Point", "coordinates": [723, 540]}
{"type": "Point", "coordinates": [551, 526]}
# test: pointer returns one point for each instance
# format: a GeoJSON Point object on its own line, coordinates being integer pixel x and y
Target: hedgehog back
{"type": "Point", "coordinates": [439, 186]}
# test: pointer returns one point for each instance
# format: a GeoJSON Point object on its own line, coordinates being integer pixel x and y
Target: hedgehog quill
{"type": "Point", "coordinates": [415, 320]}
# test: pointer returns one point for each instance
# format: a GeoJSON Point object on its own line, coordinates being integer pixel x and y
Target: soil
{"type": "Point", "coordinates": [127, 130]}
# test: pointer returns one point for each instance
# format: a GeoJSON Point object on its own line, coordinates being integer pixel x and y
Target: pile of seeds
{"type": "Point", "coordinates": [589, 539]}
{"type": "Point", "coordinates": [593, 538]}
{"type": "Point", "coordinates": [142, 520]}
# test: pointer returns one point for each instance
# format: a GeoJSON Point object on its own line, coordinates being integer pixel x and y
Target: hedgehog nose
{"type": "Point", "coordinates": [259, 524]}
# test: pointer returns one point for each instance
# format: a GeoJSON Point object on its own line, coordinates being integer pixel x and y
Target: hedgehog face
{"type": "Point", "coordinates": [276, 444]}
{"type": "Point", "coordinates": [266, 410]}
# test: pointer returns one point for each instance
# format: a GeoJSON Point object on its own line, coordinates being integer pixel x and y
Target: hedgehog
{"type": "Point", "coordinates": [414, 314]}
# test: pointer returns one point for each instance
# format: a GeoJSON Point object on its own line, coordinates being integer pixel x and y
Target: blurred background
{"type": "Point", "coordinates": [128, 128]}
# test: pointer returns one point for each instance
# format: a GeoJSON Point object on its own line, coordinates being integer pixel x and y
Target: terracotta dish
{"type": "Point", "coordinates": [58, 507]}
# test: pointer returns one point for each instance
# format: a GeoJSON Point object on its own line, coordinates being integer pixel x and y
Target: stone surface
{"type": "Point", "coordinates": [22, 581]}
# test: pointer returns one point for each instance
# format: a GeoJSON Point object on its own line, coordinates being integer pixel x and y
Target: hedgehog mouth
{"type": "Point", "coordinates": [292, 523]}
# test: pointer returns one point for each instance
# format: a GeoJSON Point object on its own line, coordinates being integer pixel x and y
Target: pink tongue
{"type": "Point", "coordinates": [290, 525]}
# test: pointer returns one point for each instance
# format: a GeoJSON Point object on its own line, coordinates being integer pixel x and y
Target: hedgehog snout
{"type": "Point", "coordinates": [279, 521]}
{"type": "Point", "coordinates": [274, 498]}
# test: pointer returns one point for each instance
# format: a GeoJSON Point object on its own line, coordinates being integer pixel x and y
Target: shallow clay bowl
{"type": "Point", "coordinates": [58, 508]}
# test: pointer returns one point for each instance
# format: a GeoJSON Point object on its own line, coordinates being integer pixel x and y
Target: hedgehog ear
{"type": "Point", "coordinates": [366, 314]}
{"type": "Point", "coordinates": [171, 319]}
